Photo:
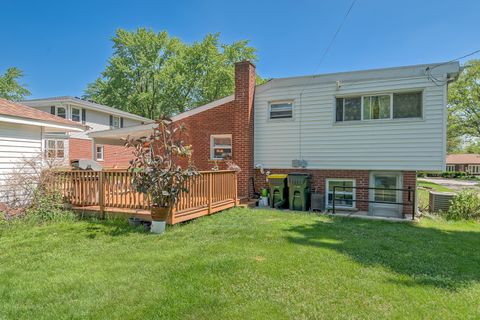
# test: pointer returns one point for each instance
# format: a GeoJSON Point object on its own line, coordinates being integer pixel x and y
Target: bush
{"type": "Point", "coordinates": [48, 206]}
{"type": "Point", "coordinates": [465, 206]}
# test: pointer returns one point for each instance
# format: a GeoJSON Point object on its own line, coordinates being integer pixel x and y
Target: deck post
{"type": "Point", "coordinates": [101, 194]}
{"type": "Point", "coordinates": [235, 187]}
{"type": "Point", "coordinates": [210, 192]}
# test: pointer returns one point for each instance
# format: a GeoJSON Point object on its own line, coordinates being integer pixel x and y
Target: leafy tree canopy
{"type": "Point", "coordinates": [153, 74]}
{"type": "Point", "coordinates": [10, 89]}
{"type": "Point", "coordinates": [464, 107]}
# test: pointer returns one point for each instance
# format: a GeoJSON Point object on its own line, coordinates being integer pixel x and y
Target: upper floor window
{"type": "Point", "coordinates": [382, 106]}
{"type": "Point", "coordinates": [281, 110]}
{"type": "Point", "coordinates": [76, 115]}
{"type": "Point", "coordinates": [115, 122]}
{"type": "Point", "coordinates": [221, 147]}
{"type": "Point", "coordinates": [58, 111]}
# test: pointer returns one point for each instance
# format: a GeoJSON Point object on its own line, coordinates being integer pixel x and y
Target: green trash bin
{"type": "Point", "coordinates": [299, 191]}
{"type": "Point", "coordinates": [278, 190]}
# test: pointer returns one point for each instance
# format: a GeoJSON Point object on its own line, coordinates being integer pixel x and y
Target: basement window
{"type": "Point", "coordinates": [281, 110]}
{"type": "Point", "coordinates": [221, 147]}
{"type": "Point", "coordinates": [344, 193]}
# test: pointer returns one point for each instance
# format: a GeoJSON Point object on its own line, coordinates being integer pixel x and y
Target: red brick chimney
{"type": "Point", "coordinates": [243, 125]}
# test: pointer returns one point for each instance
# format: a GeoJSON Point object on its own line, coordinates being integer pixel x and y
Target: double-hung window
{"type": "Point", "coordinates": [221, 147]}
{"type": "Point", "coordinates": [396, 105]}
{"type": "Point", "coordinates": [58, 111]}
{"type": "Point", "coordinates": [115, 122]}
{"type": "Point", "coordinates": [99, 152]}
{"type": "Point", "coordinates": [344, 193]}
{"type": "Point", "coordinates": [54, 149]}
{"type": "Point", "coordinates": [76, 115]}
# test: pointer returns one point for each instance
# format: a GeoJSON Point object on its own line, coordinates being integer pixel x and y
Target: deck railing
{"type": "Point", "coordinates": [209, 192]}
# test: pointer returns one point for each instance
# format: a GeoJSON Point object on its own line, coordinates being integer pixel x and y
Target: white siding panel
{"type": "Point", "coordinates": [17, 142]}
{"type": "Point", "coordinates": [313, 135]}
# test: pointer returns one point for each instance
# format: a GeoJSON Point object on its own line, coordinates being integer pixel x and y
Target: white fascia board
{"type": "Point", "coordinates": [123, 132]}
{"type": "Point", "coordinates": [47, 125]}
{"type": "Point", "coordinates": [205, 107]}
{"type": "Point", "coordinates": [143, 129]}
{"type": "Point", "coordinates": [87, 105]}
{"type": "Point", "coordinates": [450, 68]}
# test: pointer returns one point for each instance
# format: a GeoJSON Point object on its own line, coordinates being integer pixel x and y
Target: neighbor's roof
{"type": "Point", "coordinates": [145, 129]}
{"type": "Point", "coordinates": [13, 110]}
{"type": "Point", "coordinates": [85, 104]}
{"type": "Point", "coordinates": [463, 158]}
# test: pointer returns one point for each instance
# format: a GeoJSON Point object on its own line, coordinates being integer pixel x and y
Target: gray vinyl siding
{"type": "Point", "coordinates": [313, 135]}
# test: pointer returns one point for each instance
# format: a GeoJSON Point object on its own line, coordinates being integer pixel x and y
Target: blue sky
{"type": "Point", "coordinates": [63, 45]}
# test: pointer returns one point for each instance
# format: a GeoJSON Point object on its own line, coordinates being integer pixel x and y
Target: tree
{"type": "Point", "coordinates": [153, 74]}
{"type": "Point", "coordinates": [10, 89]}
{"type": "Point", "coordinates": [464, 106]}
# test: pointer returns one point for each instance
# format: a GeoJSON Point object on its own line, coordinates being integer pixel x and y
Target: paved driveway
{"type": "Point", "coordinates": [454, 184]}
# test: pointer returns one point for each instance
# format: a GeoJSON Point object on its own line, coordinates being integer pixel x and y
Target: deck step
{"type": "Point", "coordinates": [248, 203]}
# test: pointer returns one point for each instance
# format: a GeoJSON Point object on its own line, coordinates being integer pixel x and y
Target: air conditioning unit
{"type": "Point", "coordinates": [440, 201]}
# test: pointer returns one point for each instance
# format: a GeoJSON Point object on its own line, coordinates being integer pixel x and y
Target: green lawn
{"type": "Point", "coordinates": [423, 193]}
{"type": "Point", "coordinates": [239, 264]}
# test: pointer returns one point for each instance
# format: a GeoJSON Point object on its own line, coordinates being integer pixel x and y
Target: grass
{"type": "Point", "coordinates": [242, 263]}
{"type": "Point", "coordinates": [424, 189]}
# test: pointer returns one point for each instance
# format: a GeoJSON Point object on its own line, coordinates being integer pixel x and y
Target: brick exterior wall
{"type": "Point", "coordinates": [409, 181]}
{"type": "Point", "coordinates": [79, 149]}
{"type": "Point", "coordinates": [362, 179]}
{"type": "Point", "coordinates": [116, 156]}
{"type": "Point", "coordinates": [235, 118]}
{"type": "Point", "coordinates": [199, 129]}
{"type": "Point", "coordinates": [113, 156]}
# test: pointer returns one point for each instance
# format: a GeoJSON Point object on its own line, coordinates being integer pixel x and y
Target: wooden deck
{"type": "Point", "coordinates": [111, 192]}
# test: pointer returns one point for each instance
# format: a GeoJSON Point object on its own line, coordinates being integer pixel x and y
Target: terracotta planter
{"type": "Point", "coordinates": [159, 213]}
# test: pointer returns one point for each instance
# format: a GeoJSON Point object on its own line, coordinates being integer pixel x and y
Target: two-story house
{"type": "Point", "coordinates": [357, 130]}
{"type": "Point", "coordinates": [96, 117]}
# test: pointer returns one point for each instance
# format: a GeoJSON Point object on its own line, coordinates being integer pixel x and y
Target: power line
{"type": "Point", "coordinates": [440, 82]}
{"type": "Point", "coordinates": [327, 49]}
{"type": "Point", "coordinates": [462, 57]}
{"type": "Point", "coordinates": [322, 57]}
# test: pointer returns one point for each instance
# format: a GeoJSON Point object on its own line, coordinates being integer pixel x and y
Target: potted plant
{"type": "Point", "coordinates": [158, 171]}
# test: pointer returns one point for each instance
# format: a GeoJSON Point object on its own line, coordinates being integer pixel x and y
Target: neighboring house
{"type": "Point", "coordinates": [468, 162]}
{"type": "Point", "coordinates": [97, 117]}
{"type": "Point", "coordinates": [372, 128]}
{"type": "Point", "coordinates": [23, 136]}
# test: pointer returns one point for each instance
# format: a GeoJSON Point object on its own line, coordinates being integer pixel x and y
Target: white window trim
{"type": "Point", "coordinates": [212, 153]}
{"type": "Point", "coordinates": [450, 167]}
{"type": "Point", "coordinates": [65, 108]}
{"type": "Point", "coordinates": [96, 152]}
{"type": "Point", "coordinates": [473, 169]}
{"type": "Point", "coordinates": [119, 122]}
{"type": "Point", "coordinates": [46, 149]}
{"type": "Point", "coordinates": [269, 110]}
{"type": "Point", "coordinates": [79, 114]}
{"type": "Point", "coordinates": [377, 93]}
{"type": "Point", "coordinates": [354, 204]}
